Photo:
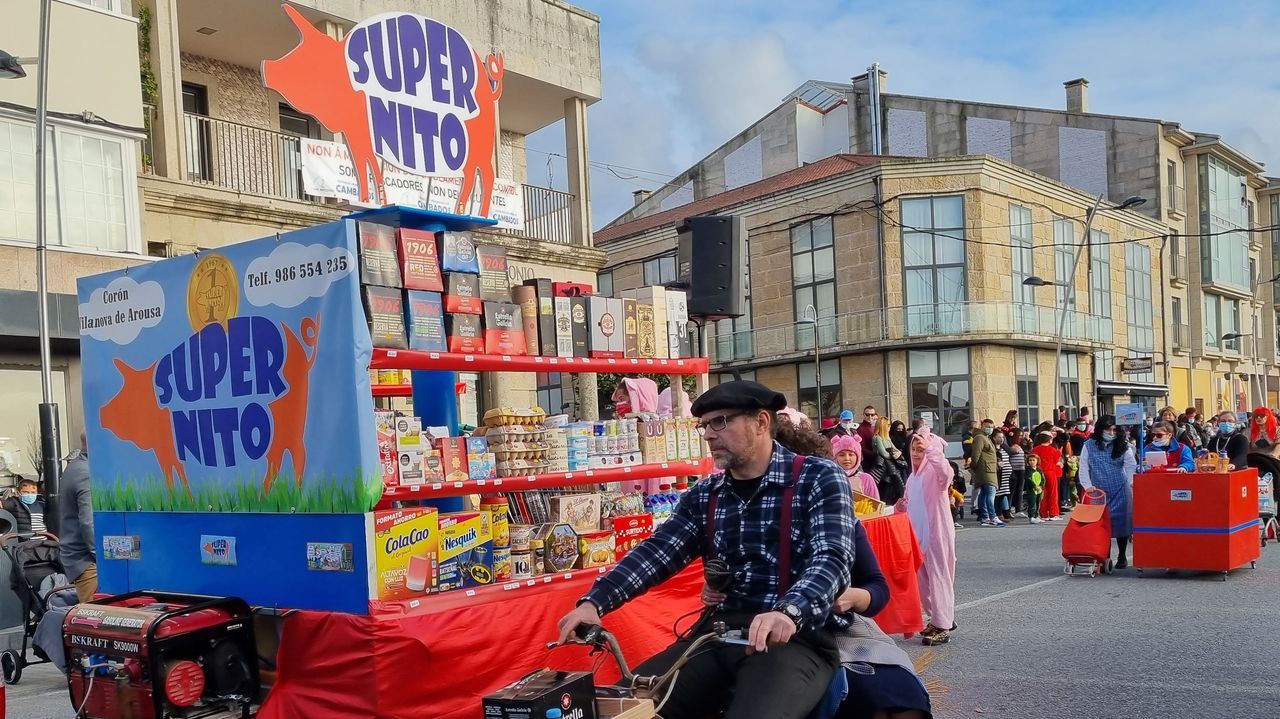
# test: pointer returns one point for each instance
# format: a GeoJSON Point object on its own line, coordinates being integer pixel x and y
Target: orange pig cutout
{"type": "Point", "coordinates": [135, 415]}
{"type": "Point", "coordinates": [289, 410]}
{"type": "Point", "coordinates": [482, 134]}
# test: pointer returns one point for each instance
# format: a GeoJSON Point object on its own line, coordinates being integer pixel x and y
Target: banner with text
{"type": "Point", "coordinates": [233, 380]}
{"type": "Point", "coordinates": [327, 171]}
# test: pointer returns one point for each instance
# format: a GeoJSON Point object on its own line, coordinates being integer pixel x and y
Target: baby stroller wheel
{"type": "Point", "coordinates": [11, 663]}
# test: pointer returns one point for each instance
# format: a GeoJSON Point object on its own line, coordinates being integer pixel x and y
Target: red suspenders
{"type": "Point", "coordinates": [784, 525]}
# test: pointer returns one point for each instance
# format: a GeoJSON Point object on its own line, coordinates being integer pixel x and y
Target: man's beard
{"type": "Point", "coordinates": [730, 461]}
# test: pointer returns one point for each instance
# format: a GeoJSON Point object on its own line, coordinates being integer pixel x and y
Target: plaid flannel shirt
{"type": "Point", "coordinates": [746, 536]}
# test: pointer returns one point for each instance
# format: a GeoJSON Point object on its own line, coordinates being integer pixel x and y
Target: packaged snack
{"type": "Point", "coordinates": [409, 434]}
{"type": "Point", "coordinates": [411, 467]}
{"type": "Point", "coordinates": [629, 530]}
{"type": "Point", "coordinates": [419, 265]}
{"type": "Point", "coordinates": [560, 546]}
{"type": "Point", "coordinates": [522, 564]}
{"type": "Point", "coordinates": [538, 552]}
{"type": "Point", "coordinates": [458, 253]}
{"type": "Point", "coordinates": [580, 511]}
{"type": "Point", "coordinates": [453, 458]}
{"type": "Point", "coordinates": [521, 537]}
{"type": "Point", "coordinates": [466, 550]}
{"type": "Point", "coordinates": [596, 549]}
{"type": "Point", "coordinates": [406, 546]}
{"type": "Point", "coordinates": [379, 264]}
{"type": "Point", "coordinates": [384, 310]}
{"type": "Point", "coordinates": [384, 425]}
{"type": "Point", "coordinates": [388, 376]}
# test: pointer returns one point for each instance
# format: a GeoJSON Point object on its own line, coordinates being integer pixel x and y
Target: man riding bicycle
{"type": "Point", "coordinates": [783, 587]}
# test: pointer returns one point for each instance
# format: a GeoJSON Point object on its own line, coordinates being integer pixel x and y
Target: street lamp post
{"type": "Point", "coordinates": [1253, 354]}
{"type": "Point", "coordinates": [1070, 285]}
{"type": "Point", "coordinates": [817, 351]}
{"type": "Point", "coordinates": [11, 68]}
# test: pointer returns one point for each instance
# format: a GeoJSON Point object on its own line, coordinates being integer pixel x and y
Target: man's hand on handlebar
{"type": "Point", "coordinates": [711, 597]}
{"type": "Point", "coordinates": [770, 628]}
{"type": "Point", "coordinates": [584, 613]}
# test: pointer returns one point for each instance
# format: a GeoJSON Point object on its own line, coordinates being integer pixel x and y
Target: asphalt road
{"type": "Point", "coordinates": [1034, 643]}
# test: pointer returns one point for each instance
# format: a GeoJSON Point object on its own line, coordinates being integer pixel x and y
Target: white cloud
{"type": "Point", "coordinates": [294, 273]}
{"type": "Point", "coordinates": [121, 310]}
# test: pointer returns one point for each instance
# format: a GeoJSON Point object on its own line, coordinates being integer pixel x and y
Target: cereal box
{"type": "Point", "coordinates": [405, 552]}
{"type": "Point", "coordinates": [466, 550]}
{"type": "Point", "coordinates": [453, 458]}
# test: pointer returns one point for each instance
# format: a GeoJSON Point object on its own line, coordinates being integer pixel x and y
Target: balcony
{"type": "Point", "coordinates": [917, 325]}
{"type": "Point", "coordinates": [1181, 338]}
{"type": "Point", "coordinates": [1177, 201]}
{"type": "Point", "coordinates": [244, 159]}
{"type": "Point", "coordinates": [1181, 271]}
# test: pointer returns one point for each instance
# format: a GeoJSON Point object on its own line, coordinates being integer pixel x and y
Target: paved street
{"type": "Point", "coordinates": [1034, 643]}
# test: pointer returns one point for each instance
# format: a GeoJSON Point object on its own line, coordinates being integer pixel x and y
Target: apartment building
{"type": "Point", "coordinates": [164, 141]}
{"type": "Point", "coordinates": [913, 270]}
{"type": "Point", "coordinates": [1209, 198]}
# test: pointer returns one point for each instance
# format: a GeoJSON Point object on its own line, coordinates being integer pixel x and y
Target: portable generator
{"type": "Point", "coordinates": [156, 655]}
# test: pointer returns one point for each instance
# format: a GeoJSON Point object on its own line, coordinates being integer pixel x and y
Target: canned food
{"type": "Point", "coordinates": [502, 567]}
{"type": "Point", "coordinates": [522, 565]}
{"type": "Point", "coordinates": [521, 536]}
{"type": "Point", "coordinates": [499, 524]}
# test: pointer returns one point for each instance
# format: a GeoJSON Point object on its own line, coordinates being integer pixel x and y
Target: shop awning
{"type": "Point", "coordinates": [1133, 389]}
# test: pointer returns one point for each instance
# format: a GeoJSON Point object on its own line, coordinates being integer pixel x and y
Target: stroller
{"type": "Point", "coordinates": [1267, 508]}
{"type": "Point", "coordinates": [1086, 540]}
{"type": "Point", "coordinates": [36, 577]}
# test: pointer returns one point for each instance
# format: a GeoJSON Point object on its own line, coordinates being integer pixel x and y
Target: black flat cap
{"type": "Point", "coordinates": [738, 394]}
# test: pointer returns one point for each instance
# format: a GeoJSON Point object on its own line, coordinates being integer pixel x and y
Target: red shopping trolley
{"type": "Point", "coordinates": [1086, 540]}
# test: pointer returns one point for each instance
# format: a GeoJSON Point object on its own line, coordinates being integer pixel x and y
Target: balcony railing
{"type": "Point", "coordinates": [917, 324]}
{"type": "Point", "coordinates": [1177, 199]}
{"type": "Point", "coordinates": [1181, 269]}
{"type": "Point", "coordinates": [1182, 336]}
{"type": "Point", "coordinates": [243, 158]}
{"type": "Point", "coordinates": [548, 215]}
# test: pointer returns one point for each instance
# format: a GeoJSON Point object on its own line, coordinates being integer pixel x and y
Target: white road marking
{"type": "Point", "coordinates": [1010, 593]}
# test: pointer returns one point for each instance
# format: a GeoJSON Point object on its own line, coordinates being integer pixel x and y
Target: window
{"type": "Point", "coordinates": [1064, 257]}
{"type": "Point", "coordinates": [831, 401]}
{"type": "Point", "coordinates": [91, 179]}
{"type": "Point", "coordinates": [1223, 208]}
{"type": "Point", "coordinates": [195, 108]}
{"type": "Point", "coordinates": [1231, 323]}
{"type": "Point", "coordinates": [939, 389]}
{"type": "Point", "coordinates": [604, 284]}
{"type": "Point", "coordinates": [20, 388]}
{"type": "Point", "coordinates": [813, 275]}
{"type": "Point", "coordinates": [660, 270]}
{"type": "Point", "coordinates": [933, 253]}
{"type": "Point", "coordinates": [1024, 298]}
{"type": "Point", "coordinates": [1027, 376]}
{"type": "Point", "coordinates": [749, 375]}
{"type": "Point", "coordinates": [1104, 365]}
{"type": "Point", "coordinates": [1277, 334]}
{"type": "Point", "coordinates": [108, 5]}
{"type": "Point", "coordinates": [1139, 309]}
{"type": "Point", "coordinates": [550, 392]}
{"type": "Point", "coordinates": [1212, 321]}
{"type": "Point", "coordinates": [299, 125]}
{"type": "Point", "coordinates": [1069, 377]}
{"type": "Point", "coordinates": [1171, 172]}
{"type": "Point", "coordinates": [733, 335]}
{"type": "Point", "coordinates": [1100, 283]}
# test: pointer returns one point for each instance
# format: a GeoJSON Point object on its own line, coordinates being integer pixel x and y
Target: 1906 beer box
{"type": "Point", "coordinates": [379, 264]}
{"type": "Point", "coordinates": [424, 320]}
{"type": "Point", "coordinates": [573, 694]}
{"type": "Point", "coordinates": [418, 261]}
{"type": "Point", "coordinates": [384, 308]}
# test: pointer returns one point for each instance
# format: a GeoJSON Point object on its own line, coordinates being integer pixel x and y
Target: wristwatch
{"type": "Point", "coordinates": [792, 611]}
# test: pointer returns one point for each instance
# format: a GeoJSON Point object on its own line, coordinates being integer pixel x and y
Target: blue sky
{"type": "Point", "coordinates": [682, 77]}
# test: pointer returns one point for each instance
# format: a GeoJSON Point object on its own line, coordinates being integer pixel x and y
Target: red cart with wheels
{"type": "Point", "coordinates": [1086, 540]}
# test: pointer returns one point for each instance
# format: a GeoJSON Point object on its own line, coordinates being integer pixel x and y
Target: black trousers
{"type": "Point", "coordinates": [786, 682]}
{"type": "Point", "coordinates": [1016, 484]}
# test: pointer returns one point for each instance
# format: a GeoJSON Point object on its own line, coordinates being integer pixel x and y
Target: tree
{"type": "Point", "coordinates": [34, 454]}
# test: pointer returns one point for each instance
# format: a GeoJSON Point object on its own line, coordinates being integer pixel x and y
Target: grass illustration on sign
{"type": "Point", "coordinates": [327, 494]}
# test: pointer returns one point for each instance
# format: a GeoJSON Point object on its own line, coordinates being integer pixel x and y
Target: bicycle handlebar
{"type": "Point", "coordinates": [596, 636]}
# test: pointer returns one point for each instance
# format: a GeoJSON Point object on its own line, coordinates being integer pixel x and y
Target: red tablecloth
{"type": "Point", "coordinates": [439, 661]}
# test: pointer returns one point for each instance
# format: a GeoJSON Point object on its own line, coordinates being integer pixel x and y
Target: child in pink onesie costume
{"type": "Point", "coordinates": [928, 504]}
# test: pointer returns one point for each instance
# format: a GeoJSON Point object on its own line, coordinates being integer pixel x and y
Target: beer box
{"type": "Point", "coordinates": [406, 552]}
{"type": "Point", "coordinates": [646, 333]}
{"type": "Point", "coordinates": [678, 342]}
{"type": "Point", "coordinates": [503, 329]}
{"type": "Point", "coordinates": [466, 550]}
{"type": "Point", "coordinates": [580, 511]}
{"type": "Point", "coordinates": [564, 327]}
{"type": "Point", "coordinates": [419, 264]}
{"type": "Point", "coordinates": [384, 309]}
{"type": "Point", "coordinates": [657, 298]}
{"type": "Point", "coordinates": [546, 315]}
{"type": "Point", "coordinates": [453, 458]}
{"type": "Point", "coordinates": [458, 253]}
{"type": "Point", "coordinates": [527, 298]}
{"type": "Point", "coordinates": [535, 695]}
{"type": "Point", "coordinates": [379, 264]}
{"type": "Point", "coordinates": [409, 434]}
{"type": "Point", "coordinates": [629, 531]}
{"type": "Point", "coordinates": [411, 465]}
{"type": "Point", "coordinates": [495, 286]}
{"type": "Point", "coordinates": [570, 289]}
{"type": "Point", "coordinates": [424, 320]}
{"type": "Point", "coordinates": [462, 293]}
{"type": "Point", "coordinates": [580, 329]}
{"type": "Point", "coordinates": [606, 326]}
{"type": "Point", "coordinates": [630, 329]}
{"type": "Point", "coordinates": [384, 422]}
{"type": "Point", "coordinates": [464, 334]}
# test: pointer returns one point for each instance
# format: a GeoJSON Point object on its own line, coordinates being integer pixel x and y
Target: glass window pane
{"type": "Point", "coordinates": [951, 285]}
{"type": "Point", "coordinates": [804, 297]}
{"type": "Point", "coordinates": [824, 264]}
{"type": "Point", "coordinates": [800, 238]}
{"type": "Point", "coordinates": [953, 361]}
{"type": "Point", "coordinates": [948, 212]}
{"type": "Point", "coordinates": [826, 304]}
{"type": "Point", "coordinates": [917, 249]}
{"type": "Point", "coordinates": [915, 213]}
{"type": "Point", "coordinates": [920, 287]}
{"type": "Point", "coordinates": [822, 232]}
{"type": "Point", "coordinates": [922, 363]}
{"type": "Point", "coordinates": [955, 394]}
{"type": "Point", "coordinates": [950, 248]}
{"type": "Point", "coordinates": [802, 268]}
{"type": "Point", "coordinates": [955, 421]}
{"type": "Point", "coordinates": [924, 397]}
{"type": "Point", "coordinates": [806, 375]}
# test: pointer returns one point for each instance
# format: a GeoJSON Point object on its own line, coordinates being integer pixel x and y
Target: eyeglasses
{"type": "Point", "coordinates": [717, 424]}
{"type": "Point", "coordinates": [1158, 436]}
{"type": "Point", "coordinates": [868, 414]}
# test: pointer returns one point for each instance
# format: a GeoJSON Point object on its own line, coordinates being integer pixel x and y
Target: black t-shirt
{"type": "Point", "coordinates": [744, 488]}
{"type": "Point", "coordinates": [1236, 445]}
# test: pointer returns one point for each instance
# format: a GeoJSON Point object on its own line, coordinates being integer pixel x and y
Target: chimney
{"type": "Point", "coordinates": [1077, 95]}
{"type": "Point", "coordinates": [640, 196]}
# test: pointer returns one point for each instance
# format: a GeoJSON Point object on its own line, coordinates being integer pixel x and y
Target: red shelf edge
{"type": "Point", "coordinates": [458, 598]}
{"type": "Point", "coordinates": [450, 361]}
{"type": "Point", "coordinates": [392, 390]}
{"type": "Point", "coordinates": [437, 490]}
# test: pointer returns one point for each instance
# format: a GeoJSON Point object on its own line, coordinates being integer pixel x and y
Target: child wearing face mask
{"type": "Point", "coordinates": [27, 507]}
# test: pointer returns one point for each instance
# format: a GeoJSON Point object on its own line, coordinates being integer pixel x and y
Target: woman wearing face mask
{"type": "Point", "coordinates": [1231, 440]}
{"type": "Point", "coordinates": [1178, 455]}
{"type": "Point", "coordinates": [1108, 463]}
{"type": "Point", "coordinates": [27, 507]}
